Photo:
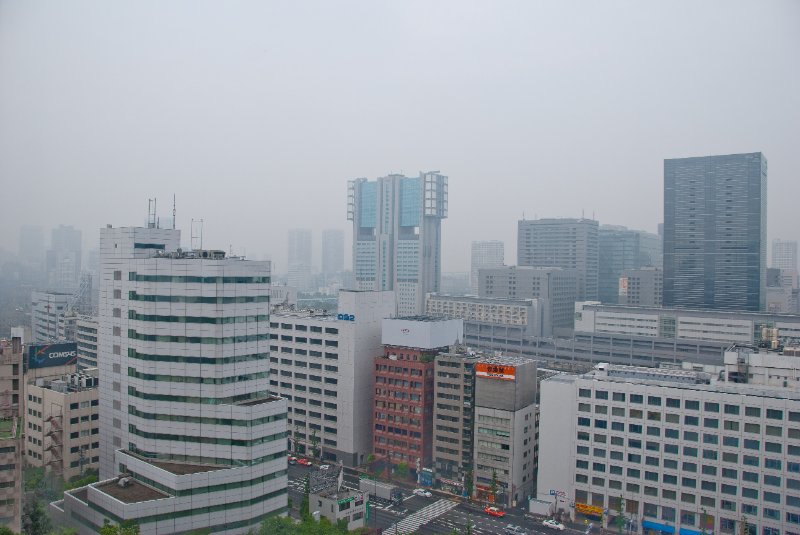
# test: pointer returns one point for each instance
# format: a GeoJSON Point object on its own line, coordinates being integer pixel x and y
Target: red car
{"type": "Point", "coordinates": [494, 511]}
{"type": "Point", "coordinates": [304, 462]}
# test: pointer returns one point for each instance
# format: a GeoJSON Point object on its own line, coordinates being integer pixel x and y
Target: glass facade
{"type": "Point", "coordinates": [715, 232]}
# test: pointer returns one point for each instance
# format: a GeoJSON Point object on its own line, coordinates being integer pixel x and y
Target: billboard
{"type": "Point", "coordinates": [588, 510]}
{"type": "Point", "coordinates": [495, 371]}
{"type": "Point", "coordinates": [47, 355]}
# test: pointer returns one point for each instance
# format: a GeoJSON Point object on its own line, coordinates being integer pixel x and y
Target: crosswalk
{"type": "Point", "coordinates": [412, 522]}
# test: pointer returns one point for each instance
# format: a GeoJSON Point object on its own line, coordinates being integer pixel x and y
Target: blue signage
{"type": "Point", "coordinates": [345, 317]}
{"type": "Point", "coordinates": [44, 356]}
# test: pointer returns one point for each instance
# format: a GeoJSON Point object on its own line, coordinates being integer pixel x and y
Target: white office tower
{"type": "Point", "coordinates": [190, 436]}
{"type": "Point", "coordinates": [485, 254]}
{"type": "Point", "coordinates": [397, 236]}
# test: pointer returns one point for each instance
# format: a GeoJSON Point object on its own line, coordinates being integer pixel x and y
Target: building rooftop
{"type": "Point", "coordinates": [506, 360]}
{"type": "Point", "coordinates": [432, 319]}
{"type": "Point", "coordinates": [132, 492]}
{"type": "Point", "coordinates": [179, 469]}
{"type": "Point", "coordinates": [485, 300]}
{"type": "Point", "coordinates": [259, 401]}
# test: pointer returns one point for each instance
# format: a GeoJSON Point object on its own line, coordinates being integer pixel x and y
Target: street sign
{"type": "Point", "coordinates": [559, 493]}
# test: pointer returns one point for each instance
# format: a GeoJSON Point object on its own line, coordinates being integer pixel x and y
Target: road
{"type": "Point", "coordinates": [435, 515]}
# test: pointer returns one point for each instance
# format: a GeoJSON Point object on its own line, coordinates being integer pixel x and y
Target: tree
{"type": "Point", "coordinates": [5, 530]}
{"type": "Point", "coordinates": [620, 521]}
{"type": "Point", "coordinates": [295, 440]}
{"type": "Point", "coordinates": [278, 525]}
{"type": "Point", "coordinates": [469, 485]}
{"type": "Point", "coordinates": [34, 518]}
{"type": "Point", "coordinates": [402, 470]}
{"type": "Point", "coordinates": [314, 443]}
{"type": "Point", "coordinates": [305, 512]}
{"type": "Point", "coordinates": [126, 528]}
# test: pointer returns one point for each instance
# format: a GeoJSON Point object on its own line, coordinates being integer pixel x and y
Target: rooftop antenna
{"type": "Point", "coordinates": [173, 211]}
{"type": "Point", "coordinates": [582, 213]}
{"type": "Point", "coordinates": [151, 214]}
{"type": "Point", "coordinates": [523, 215]}
{"type": "Point", "coordinates": [197, 234]}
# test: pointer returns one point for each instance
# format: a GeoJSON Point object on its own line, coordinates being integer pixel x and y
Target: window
{"type": "Point", "coordinates": [584, 393]}
{"type": "Point", "coordinates": [774, 414]}
{"type": "Point", "coordinates": [691, 405]}
{"type": "Point", "coordinates": [731, 409]}
{"type": "Point", "coordinates": [601, 394]}
{"type": "Point", "coordinates": [755, 412]}
{"type": "Point", "coordinates": [618, 396]}
{"type": "Point", "coordinates": [674, 403]}
{"type": "Point", "coordinates": [711, 407]}
{"type": "Point", "coordinates": [637, 398]}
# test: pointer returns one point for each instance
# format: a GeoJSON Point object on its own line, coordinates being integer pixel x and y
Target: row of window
{"type": "Point", "coordinates": [214, 300]}
{"type": "Point", "coordinates": [207, 440]}
{"type": "Point", "coordinates": [304, 328]}
{"type": "Point", "coordinates": [301, 352]}
{"type": "Point", "coordinates": [132, 410]}
{"type": "Point", "coordinates": [137, 277]}
{"type": "Point", "coordinates": [133, 315]}
{"type": "Point", "coordinates": [198, 400]}
{"type": "Point", "coordinates": [251, 357]}
{"type": "Point", "coordinates": [132, 372]}
{"type": "Point", "coordinates": [211, 340]}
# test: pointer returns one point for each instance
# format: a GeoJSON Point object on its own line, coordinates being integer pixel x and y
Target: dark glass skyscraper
{"type": "Point", "coordinates": [715, 232]}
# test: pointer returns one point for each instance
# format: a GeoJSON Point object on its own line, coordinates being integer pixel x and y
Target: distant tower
{"type": "Point", "coordinates": [484, 254]}
{"type": "Point", "coordinates": [299, 263]}
{"type": "Point", "coordinates": [64, 259]}
{"type": "Point", "coordinates": [332, 251]}
{"type": "Point", "coordinates": [715, 230]}
{"type": "Point", "coordinates": [397, 235]}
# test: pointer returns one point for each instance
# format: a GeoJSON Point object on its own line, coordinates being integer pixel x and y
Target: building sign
{"type": "Point", "coordinates": [47, 355]}
{"type": "Point", "coordinates": [495, 371]}
{"type": "Point", "coordinates": [345, 317]}
{"type": "Point", "coordinates": [588, 510]}
{"type": "Point", "coordinates": [623, 286]}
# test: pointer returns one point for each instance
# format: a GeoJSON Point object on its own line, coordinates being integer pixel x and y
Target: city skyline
{"type": "Point", "coordinates": [529, 116]}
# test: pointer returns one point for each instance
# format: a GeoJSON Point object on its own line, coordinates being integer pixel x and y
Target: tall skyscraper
{"type": "Point", "coordinates": [185, 403]}
{"type": "Point", "coordinates": [31, 245]}
{"type": "Point", "coordinates": [784, 254]}
{"type": "Point", "coordinates": [397, 235]}
{"type": "Point", "coordinates": [332, 251]}
{"type": "Point", "coordinates": [715, 230]}
{"type": "Point", "coordinates": [485, 254]}
{"type": "Point", "coordinates": [64, 259]}
{"type": "Point", "coordinates": [564, 243]}
{"type": "Point", "coordinates": [299, 260]}
{"type": "Point", "coordinates": [621, 248]}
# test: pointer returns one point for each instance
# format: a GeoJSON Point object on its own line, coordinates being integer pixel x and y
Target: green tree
{"type": "Point", "coordinates": [126, 528]}
{"type": "Point", "coordinates": [493, 486]}
{"type": "Point", "coordinates": [469, 485]}
{"type": "Point", "coordinates": [278, 525]}
{"type": "Point", "coordinates": [5, 530]}
{"type": "Point", "coordinates": [402, 470]}
{"type": "Point", "coordinates": [34, 518]}
{"type": "Point", "coordinates": [295, 440]}
{"type": "Point", "coordinates": [305, 512]}
{"type": "Point", "coordinates": [314, 443]}
{"type": "Point", "coordinates": [620, 521]}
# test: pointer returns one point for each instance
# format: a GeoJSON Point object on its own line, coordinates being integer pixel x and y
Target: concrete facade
{"type": "Point", "coordinates": [505, 429]}
{"type": "Point", "coordinates": [527, 315]}
{"type": "Point", "coordinates": [556, 288]}
{"type": "Point", "coordinates": [641, 287]}
{"type": "Point", "coordinates": [86, 336]}
{"type": "Point", "coordinates": [11, 459]}
{"type": "Point", "coordinates": [484, 254]}
{"type": "Point", "coordinates": [322, 365]}
{"type": "Point", "coordinates": [46, 309]}
{"type": "Point", "coordinates": [686, 456]}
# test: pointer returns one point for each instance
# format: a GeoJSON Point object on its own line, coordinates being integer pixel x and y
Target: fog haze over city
{"type": "Point", "coordinates": [256, 114]}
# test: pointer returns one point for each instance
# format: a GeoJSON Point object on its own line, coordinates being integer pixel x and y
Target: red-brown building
{"type": "Point", "coordinates": [404, 381]}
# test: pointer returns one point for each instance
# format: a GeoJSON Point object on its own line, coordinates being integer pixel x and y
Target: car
{"type": "Point", "coordinates": [324, 466]}
{"type": "Point", "coordinates": [292, 460]}
{"type": "Point", "coordinates": [304, 462]}
{"type": "Point", "coordinates": [511, 529]}
{"type": "Point", "coordinates": [553, 524]}
{"type": "Point", "coordinates": [494, 511]}
{"type": "Point", "coordinates": [422, 492]}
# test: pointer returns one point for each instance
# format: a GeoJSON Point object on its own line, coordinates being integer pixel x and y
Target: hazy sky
{"type": "Point", "coordinates": [257, 113]}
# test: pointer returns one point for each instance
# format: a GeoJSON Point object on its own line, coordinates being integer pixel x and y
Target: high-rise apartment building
{"type": "Point", "coordinates": [621, 248]}
{"type": "Point", "coordinates": [556, 288]}
{"type": "Point", "coordinates": [485, 254]}
{"type": "Point", "coordinates": [332, 251]}
{"type": "Point", "coordinates": [564, 243]}
{"type": "Point", "coordinates": [397, 235]}
{"type": "Point", "coordinates": [715, 229]}
{"type": "Point", "coordinates": [185, 406]}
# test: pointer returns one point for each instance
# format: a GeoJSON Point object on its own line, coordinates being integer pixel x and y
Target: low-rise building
{"type": "Point", "coordinates": [494, 316]}
{"type": "Point", "coordinates": [506, 429]}
{"type": "Point", "coordinates": [670, 451]}
{"type": "Point", "coordinates": [333, 501]}
{"type": "Point", "coordinates": [62, 423]}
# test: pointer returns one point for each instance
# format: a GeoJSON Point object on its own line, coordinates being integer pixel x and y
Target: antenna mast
{"type": "Point", "coordinates": [173, 211]}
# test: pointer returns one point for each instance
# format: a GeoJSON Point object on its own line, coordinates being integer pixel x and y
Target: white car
{"type": "Point", "coordinates": [511, 529]}
{"type": "Point", "coordinates": [324, 466]}
{"type": "Point", "coordinates": [422, 492]}
{"type": "Point", "coordinates": [553, 524]}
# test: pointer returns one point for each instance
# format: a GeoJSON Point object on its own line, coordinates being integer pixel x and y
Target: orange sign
{"type": "Point", "coordinates": [590, 510]}
{"type": "Point", "coordinates": [495, 371]}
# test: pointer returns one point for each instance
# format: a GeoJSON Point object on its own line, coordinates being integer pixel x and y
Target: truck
{"type": "Point", "coordinates": [375, 488]}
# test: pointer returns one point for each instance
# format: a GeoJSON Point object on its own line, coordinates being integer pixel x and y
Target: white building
{"type": "Point", "coordinates": [708, 325]}
{"type": "Point", "coordinates": [525, 315]}
{"type": "Point", "coordinates": [686, 454]}
{"type": "Point", "coordinates": [397, 234]}
{"type": "Point", "coordinates": [484, 254]}
{"type": "Point", "coordinates": [322, 365]}
{"type": "Point", "coordinates": [86, 336]}
{"type": "Point", "coordinates": [185, 409]}
{"type": "Point", "coordinates": [47, 307]}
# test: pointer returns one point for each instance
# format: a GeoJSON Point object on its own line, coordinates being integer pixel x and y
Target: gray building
{"type": "Point", "coordinates": [784, 254]}
{"type": "Point", "coordinates": [397, 235]}
{"type": "Point", "coordinates": [47, 310]}
{"type": "Point", "coordinates": [506, 429]}
{"type": "Point", "coordinates": [332, 252]}
{"type": "Point", "coordinates": [641, 287]}
{"type": "Point", "coordinates": [484, 254]}
{"type": "Point", "coordinates": [453, 416]}
{"type": "Point", "coordinates": [564, 243]}
{"type": "Point", "coordinates": [556, 288]}
{"type": "Point", "coordinates": [620, 249]}
{"type": "Point", "coordinates": [715, 229]}
{"type": "Point", "coordinates": [64, 258]}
